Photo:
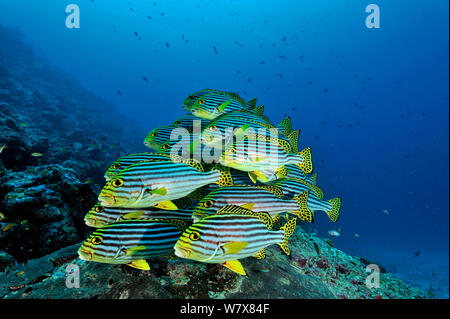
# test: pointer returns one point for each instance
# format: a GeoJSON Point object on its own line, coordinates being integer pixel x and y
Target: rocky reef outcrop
{"type": "Point", "coordinates": [304, 274]}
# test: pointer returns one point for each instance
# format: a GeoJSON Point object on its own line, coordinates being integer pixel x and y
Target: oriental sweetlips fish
{"type": "Point", "coordinates": [153, 183]}
{"type": "Point", "coordinates": [215, 195]}
{"type": "Point", "coordinates": [256, 198]}
{"type": "Point", "coordinates": [99, 216]}
{"type": "Point", "coordinates": [232, 233]}
{"type": "Point", "coordinates": [131, 242]}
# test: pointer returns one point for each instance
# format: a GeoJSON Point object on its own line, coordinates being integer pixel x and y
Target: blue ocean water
{"type": "Point", "coordinates": [371, 103]}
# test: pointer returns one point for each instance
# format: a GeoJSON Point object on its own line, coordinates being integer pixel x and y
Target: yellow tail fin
{"type": "Point", "coordinates": [333, 213]}
{"type": "Point", "coordinates": [303, 212]}
{"type": "Point", "coordinates": [288, 229]}
{"type": "Point", "coordinates": [306, 166]}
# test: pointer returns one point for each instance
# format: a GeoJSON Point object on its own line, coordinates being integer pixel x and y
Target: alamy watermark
{"type": "Point", "coordinates": [72, 16]}
{"type": "Point", "coordinates": [373, 19]}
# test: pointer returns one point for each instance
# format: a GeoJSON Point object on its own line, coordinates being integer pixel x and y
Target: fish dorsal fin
{"type": "Point", "coordinates": [314, 178]}
{"type": "Point", "coordinates": [139, 264]}
{"type": "Point", "coordinates": [293, 139]}
{"type": "Point", "coordinates": [285, 145]}
{"type": "Point", "coordinates": [251, 104]}
{"type": "Point", "coordinates": [259, 110]}
{"type": "Point", "coordinates": [277, 191]}
{"type": "Point", "coordinates": [178, 223]}
{"type": "Point", "coordinates": [194, 163]}
{"type": "Point", "coordinates": [235, 266]}
{"type": "Point", "coordinates": [282, 172]}
{"type": "Point", "coordinates": [316, 190]}
{"type": "Point", "coordinates": [234, 247]}
{"type": "Point", "coordinates": [239, 210]}
{"type": "Point", "coordinates": [285, 126]}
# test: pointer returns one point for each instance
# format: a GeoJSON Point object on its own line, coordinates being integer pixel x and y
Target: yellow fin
{"type": "Point", "coordinates": [303, 211]}
{"type": "Point", "coordinates": [235, 266]}
{"type": "Point", "coordinates": [293, 139]}
{"type": "Point", "coordinates": [133, 250]}
{"type": "Point", "coordinates": [222, 106]}
{"type": "Point", "coordinates": [253, 177]}
{"type": "Point", "coordinates": [333, 213]}
{"type": "Point", "coordinates": [260, 254]}
{"type": "Point", "coordinates": [167, 205]}
{"type": "Point", "coordinates": [314, 178]}
{"type": "Point", "coordinates": [306, 166]}
{"type": "Point", "coordinates": [139, 264]}
{"type": "Point", "coordinates": [248, 206]}
{"type": "Point", "coordinates": [158, 191]}
{"type": "Point", "coordinates": [277, 191]}
{"type": "Point", "coordinates": [263, 217]}
{"type": "Point", "coordinates": [259, 175]}
{"type": "Point", "coordinates": [133, 215]}
{"type": "Point", "coordinates": [234, 247]}
{"type": "Point", "coordinates": [288, 229]}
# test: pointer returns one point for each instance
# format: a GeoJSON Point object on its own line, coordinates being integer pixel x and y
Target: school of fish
{"type": "Point", "coordinates": [233, 185]}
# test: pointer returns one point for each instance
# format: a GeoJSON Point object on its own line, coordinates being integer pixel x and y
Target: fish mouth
{"type": "Point", "coordinates": [91, 222]}
{"type": "Point", "coordinates": [107, 200]}
{"type": "Point", "coordinates": [85, 254]}
{"type": "Point", "coordinates": [182, 252]}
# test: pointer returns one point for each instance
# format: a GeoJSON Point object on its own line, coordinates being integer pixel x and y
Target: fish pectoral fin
{"type": "Point", "coordinates": [260, 175]}
{"type": "Point", "coordinates": [167, 205]}
{"type": "Point", "coordinates": [158, 191]}
{"type": "Point", "coordinates": [133, 250]}
{"type": "Point", "coordinates": [252, 176]}
{"type": "Point", "coordinates": [222, 106]}
{"type": "Point", "coordinates": [248, 206]}
{"type": "Point", "coordinates": [235, 266]}
{"type": "Point", "coordinates": [234, 247]}
{"type": "Point", "coordinates": [241, 131]}
{"type": "Point", "coordinates": [139, 264]}
{"type": "Point", "coordinates": [133, 215]}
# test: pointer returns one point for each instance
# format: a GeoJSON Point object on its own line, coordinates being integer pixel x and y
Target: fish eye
{"type": "Point", "coordinates": [233, 150]}
{"type": "Point", "coordinates": [96, 240]}
{"type": "Point", "coordinates": [201, 102]}
{"type": "Point", "coordinates": [194, 236]}
{"type": "Point", "coordinates": [208, 204]}
{"type": "Point", "coordinates": [213, 128]}
{"type": "Point", "coordinates": [99, 209]}
{"type": "Point", "coordinates": [116, 166]}
{"type": "Point", "coordinates": [117, 183]}
{"type": "Point", "coordinates": [153, 134]}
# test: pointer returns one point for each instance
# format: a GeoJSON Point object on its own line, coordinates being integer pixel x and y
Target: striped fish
{"type": "Point", "coordinates": [258, 155]}
{"type": "Point", "coordinates": [187, 103]}
{"type": "Point", "coordinates": [157, 137]}
{"type": "Point", "coordinates": [292, 186]}
{"type": "Point", "coordinates": [157, 183]}
{"type": "Point", "coordinates": [131, 159]}
{"type": "Point", "coordinates": [293, 171]}
{"type": "Point", "coordinates": [233, 233]}
{"type": "Point", "coordinates": [132, 241]}
{"type": "Point", "coordinates": [99, 216]}
{"type": "Point", "coordinates": [212, 105]}
{"type": "Point", "coordinates": [265, 198]}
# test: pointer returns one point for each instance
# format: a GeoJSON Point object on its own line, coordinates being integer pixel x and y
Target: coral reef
{"type": "Point", "coordinates": [305, 274]}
